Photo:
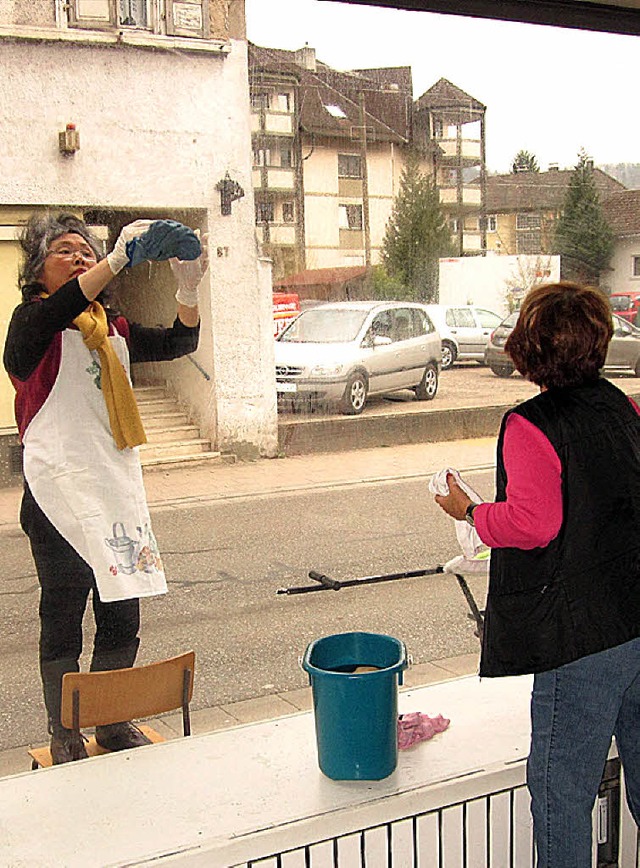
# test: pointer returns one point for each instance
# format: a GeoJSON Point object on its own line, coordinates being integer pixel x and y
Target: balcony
{"type": "Point", "coordinates": [472, 242]}
{"type": "Point", "coordinates": [470, 150]}
{"type": "Point", "coordinates": [471, 196]}
{"type": "Point", "coordinates": [281, 234]}
{"type": "Point", "coordinates": [275, 123]}
{"type": "Point", "coordinates": [277, 179]}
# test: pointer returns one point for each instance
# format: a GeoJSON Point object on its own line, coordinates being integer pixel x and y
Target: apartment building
{"type": "Point", "coordinates": [329, 148]}
{"type": "Point", "coordinates": [521, 208]}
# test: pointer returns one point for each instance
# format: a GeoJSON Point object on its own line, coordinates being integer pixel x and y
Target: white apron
{"type": "Point", "coordinates": [89, 490]}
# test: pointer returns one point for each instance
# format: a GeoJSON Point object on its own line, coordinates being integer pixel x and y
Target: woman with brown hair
{"type": "Point", "coordinates": [564, 588]}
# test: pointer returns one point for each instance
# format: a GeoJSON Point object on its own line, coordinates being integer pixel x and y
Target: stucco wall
{"type": "Point", "coordinates": [158, 130]}
{"type": "Point", "coordinates": [621, 278]}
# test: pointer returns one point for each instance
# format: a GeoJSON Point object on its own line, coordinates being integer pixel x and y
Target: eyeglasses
{"type": "Point", "coordinates": [65, 252]}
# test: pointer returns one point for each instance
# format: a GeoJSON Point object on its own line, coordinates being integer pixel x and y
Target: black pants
{"type": "Point", "coordinates": [66, 580]}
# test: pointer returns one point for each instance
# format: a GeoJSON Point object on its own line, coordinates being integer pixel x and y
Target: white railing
{"type": "Point", "coordinates": [470, 148]}
{"type": "Point", "coordinates": [470, 196]}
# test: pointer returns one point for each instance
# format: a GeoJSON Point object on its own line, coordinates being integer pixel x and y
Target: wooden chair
{"type": "Point", "coordinates": [100, 698]}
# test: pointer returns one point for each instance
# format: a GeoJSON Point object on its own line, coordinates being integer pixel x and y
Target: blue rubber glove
{"type": "Point", "coordinates": [163, 240]}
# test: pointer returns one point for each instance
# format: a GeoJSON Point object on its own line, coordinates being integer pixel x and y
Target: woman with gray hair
{"type": "Point", "coordinates": [84, 508]}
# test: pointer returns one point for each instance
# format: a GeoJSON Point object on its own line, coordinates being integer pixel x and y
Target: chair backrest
{"type": "Point", "coordinates": [127, 694]}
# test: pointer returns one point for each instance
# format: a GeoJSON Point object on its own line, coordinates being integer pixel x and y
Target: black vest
{"type": "Point", "coordinates": [581, 593]}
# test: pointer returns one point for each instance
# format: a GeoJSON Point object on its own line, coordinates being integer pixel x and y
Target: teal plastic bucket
{"type": "Point", "coordinates": [356, 712]}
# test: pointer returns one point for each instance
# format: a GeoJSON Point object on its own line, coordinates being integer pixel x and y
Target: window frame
{"type": "Point", "coordinates": [347, 172]}
{"type": "Point", "coordinates": [158, 24]}
{"type": "Point", "coordinates": [348, 210]}
{"type": "Point", "coordinates": [527, 222]}
{"type": "Point", "coordinates": [635, 265]}
{"type": "Point", "coordinates": [260, 209]}
{"type": "Point", "coordinates": [79, 21]}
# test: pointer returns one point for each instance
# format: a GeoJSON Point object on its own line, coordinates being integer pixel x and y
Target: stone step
{"type": "Point", "coordinates": [174, 448]}
{"type": "Point", "coordinates": [164, 405]}
{"type": "Point", "coordinates": [197, 458]}
{"type": "Point", "coordinates": [146, 393]}
{"type": "Point", "coordinates": [165, 420]}
{"type": "Point", "coordinates": [172, 433]}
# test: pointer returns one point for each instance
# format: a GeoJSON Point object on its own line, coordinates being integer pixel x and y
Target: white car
{"type": "Point", "coordinates": [465, 331]}
{"type": "Point", "coordinates": [344, 352]}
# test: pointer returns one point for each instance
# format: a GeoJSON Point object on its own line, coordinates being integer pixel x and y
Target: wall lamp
{"type": "Point", "coordinates": [69, 140]}
{"type": "Point", "coordinates": [229, 191]}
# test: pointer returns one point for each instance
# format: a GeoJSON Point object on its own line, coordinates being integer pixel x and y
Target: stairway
{"type": "Point", "coordinates": [172, 440]}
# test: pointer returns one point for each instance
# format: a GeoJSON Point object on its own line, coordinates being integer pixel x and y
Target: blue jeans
{"type": "Point", "coordinates": [575, 710]}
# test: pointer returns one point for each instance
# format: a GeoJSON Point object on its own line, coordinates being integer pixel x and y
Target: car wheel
{"type": "Point", "coordinates": [503, 371]}
{"type": "Point", "coordinates": [355, 395]}
{"type": "Point", "coordinates": [448, 355]}
{"type": "Point", "coordinates": [427, 388]}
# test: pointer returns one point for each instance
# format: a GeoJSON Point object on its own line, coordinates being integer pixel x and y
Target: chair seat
{"type": "Point", "coordinates": [41, 756]}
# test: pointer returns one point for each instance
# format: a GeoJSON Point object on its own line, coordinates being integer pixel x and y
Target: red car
{"type": "Point", "coordinates": [626, 304]}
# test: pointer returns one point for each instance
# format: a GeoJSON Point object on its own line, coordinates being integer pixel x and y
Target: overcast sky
{"type": "Point", "coordinates": [549, 90]}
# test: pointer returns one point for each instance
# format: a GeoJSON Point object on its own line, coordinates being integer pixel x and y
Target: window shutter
{"type": "Point", "coordinates": [92, 14]}
{"type": "Point", "coordinates": [188, 18]}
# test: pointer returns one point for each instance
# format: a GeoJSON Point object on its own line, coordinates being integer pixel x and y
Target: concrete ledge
{"type": "Point", "coordinates": [301, 437]}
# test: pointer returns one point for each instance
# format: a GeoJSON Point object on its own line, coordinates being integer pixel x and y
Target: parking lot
{"type": "Point", "coordinates": [463, 385]}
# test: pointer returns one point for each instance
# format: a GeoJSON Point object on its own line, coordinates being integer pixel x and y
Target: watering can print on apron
{"type": "Point", "coordinates": [127, 550]}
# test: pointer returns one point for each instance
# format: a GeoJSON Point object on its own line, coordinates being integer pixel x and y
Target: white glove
{"type": "Point", "coordinates": [467, 536]}
{"type": "Point", "coordinates": [189, 274]}
{"type": "Point", "coordinates": [119, 257]}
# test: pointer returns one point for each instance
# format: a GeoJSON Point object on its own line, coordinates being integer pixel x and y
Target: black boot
{"type": "Point", "coordinates": [124, 735]}
{"type": "Point", "coordinates": [65, 746]}
{"type": "Point", "coordinates": [120, 736]}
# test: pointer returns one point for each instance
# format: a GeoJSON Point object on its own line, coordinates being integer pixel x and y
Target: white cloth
{"type": "Point", "coordinates": [90, 491]}
{"type": "Point", "coordinates": [474, 551]}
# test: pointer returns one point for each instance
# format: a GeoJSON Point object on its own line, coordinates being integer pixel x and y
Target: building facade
{"type": "Point", "coordinates": [522, 207]}
{"type": "Point", "coordinates": [329, 148]}
{"type": "Point", "coordinates": [156, 96]}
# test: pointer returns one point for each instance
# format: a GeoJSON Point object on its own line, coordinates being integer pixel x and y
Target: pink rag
{"type": "Point", "coordinates": [415, 727]}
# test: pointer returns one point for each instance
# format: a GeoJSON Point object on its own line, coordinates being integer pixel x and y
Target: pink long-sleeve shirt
{"type": "Point", "coordinates": [531, 516]}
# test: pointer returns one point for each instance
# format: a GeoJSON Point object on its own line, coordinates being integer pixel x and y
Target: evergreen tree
{"type": "Point", "coordinates": [524, 161]}
{"type": "Point", "coordinates": [416, 234]}
{"type": "Point", "coordinates": [582, 236]}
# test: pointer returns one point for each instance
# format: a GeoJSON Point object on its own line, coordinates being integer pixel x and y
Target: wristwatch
{"type": "Point", "coordinates": [468, 515]}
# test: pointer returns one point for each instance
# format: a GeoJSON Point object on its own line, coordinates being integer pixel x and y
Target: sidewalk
{"type": "Point", "coordinates": [171, 489]}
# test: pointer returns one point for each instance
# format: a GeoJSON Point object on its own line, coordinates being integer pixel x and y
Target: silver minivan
{"type": "Point", "coordinates": [345, 351]}
{"type": "Point", "coordinates": [464, 330]}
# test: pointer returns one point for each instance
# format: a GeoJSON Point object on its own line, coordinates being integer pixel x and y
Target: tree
{"type": "Point", "coordinates": [416, 234]}
{"type": "Point", "coordinates": [582, 236]}
{"type": "Point", "coordinates": [524, 161]}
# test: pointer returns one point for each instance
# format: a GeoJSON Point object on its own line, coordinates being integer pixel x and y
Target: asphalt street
{"type": "Point", "coordinates": [226, 560]}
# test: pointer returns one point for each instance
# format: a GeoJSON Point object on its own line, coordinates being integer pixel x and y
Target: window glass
{"type": "Point", "coordinates": [325, 325]}
{"type": "Point", "coordinates": [133, 13]}
{"type": "Point", "coordinates": [464, 318]}
{"type": "Point", "coordinates": [636, 266]}
{"type": "Point", "coordinates": [288, 212]}
{"type": "Point", "coordinates": [620, 302]}
{"type": "Point", "coordinates": [350, 216]}
{"type": "Point", "coordinates": [264, 212]}
{"type": "Point", "coordinates": [450, 317]}
{"type": "Point", "coordinates": [488, 319]}
{"type": "Point", "coordinates": [349, 166]}
{"type": "Point", "coordinates": [402, 329]}
{"type": "Point", "coordinates": [527, 221]}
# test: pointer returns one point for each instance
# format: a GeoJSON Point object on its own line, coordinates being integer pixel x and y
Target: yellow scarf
{"type": "Point", "coordinates": [124, 418]}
